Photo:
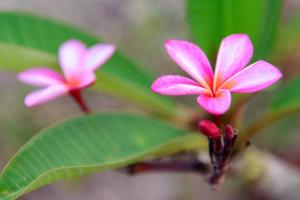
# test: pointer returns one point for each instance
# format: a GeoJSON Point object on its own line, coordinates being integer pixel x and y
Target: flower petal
{"type": "Point", "coordinates": [71, 55]}
{"type": "Point", "coordinates": [40, 76]}
{"type": "Point", "coordinates": [44, 95]}
{"type": "Point", "coordinates": [234, 54]}
{"type": "Point", "coordinates": [253, 78]}
{"type": "Point", "coordinates": [85, 79]}
{"type": "Point", "coordinates": [192, 60]}
{"type": "Point", "coordinates": [176, 85]}
{"type": "Point", "coordinates": [97, 55]}
{"type": "Point", "coordinates": [216, 105]}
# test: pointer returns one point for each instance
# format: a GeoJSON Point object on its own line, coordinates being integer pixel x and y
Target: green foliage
{"type": "Point", "coordinates": [288, 38]}
{"type": "Point", "coordinates": [286, 101]}
{"type": "Point", "coordinates": [27, 41]}
{"type": "Point", "coordinates": [212, 20]}
{"type": "Point", "coordinates": [288, 98]}
{"type": "Point", "coordinates": [90, 144]}
{"type": "Point", "coordinates": [23, 58]}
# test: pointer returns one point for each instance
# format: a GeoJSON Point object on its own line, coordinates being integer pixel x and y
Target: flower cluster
{"type": "Point", "coordinates": [79, 63]}
{"type": "Point", "coordinates": [221, 143]}
{"type": "Point", "coordinates": [231, 75]}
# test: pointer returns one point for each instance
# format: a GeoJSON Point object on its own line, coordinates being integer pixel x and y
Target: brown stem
{"type": "Point", "coordinates": [218, 176]}
{"type": "Point", "coordinates": [174, 166]}
{"type": "Point", "coordinates": [76, 94]}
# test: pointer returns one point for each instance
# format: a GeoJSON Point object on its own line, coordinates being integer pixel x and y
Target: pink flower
{"type": "Point", "coordinates": [230, 75]}
{"type": "Point", "coordinates": [78, 64]}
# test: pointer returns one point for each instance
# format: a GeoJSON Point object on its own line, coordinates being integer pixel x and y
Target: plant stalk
{"type": "Point", "coordinates": [173, 166]}
{"type": "Point", "coordinates": [76, 94]}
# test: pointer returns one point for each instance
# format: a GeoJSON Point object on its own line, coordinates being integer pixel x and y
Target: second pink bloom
{"type": "Point", "coordinates": [78, 64]}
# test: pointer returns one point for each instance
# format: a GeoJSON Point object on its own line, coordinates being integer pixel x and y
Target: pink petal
{"type": "Point", "coordinates": [216, 105]}
{"type": "Point", "coordinates": [97, 55]}
{"type": "Point", "coordinates": [71, 55]}
{"type": "Point", "coordinates": [235, 52]}
{"type": "Point", "coordinates": [191, 59]}
{"type": "Point", "coordinates": [44, 95]}
{"type": "Point", "coordinates": [40, 76]}
{"type": "Point", "coordinates": [176, 85]}
{"type": "Point", "coordinates": [253, 78]}
{"type": "Point", "coordinates": [85, 79]}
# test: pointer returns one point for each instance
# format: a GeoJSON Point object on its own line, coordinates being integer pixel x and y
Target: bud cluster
{"type": "Point", "coordinates": [221, 142]}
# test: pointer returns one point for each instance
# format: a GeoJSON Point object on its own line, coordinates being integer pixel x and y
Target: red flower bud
{"type": "Point", "coordinates": [229, 132]}
{"type": "Point", "coordinates": [209, 128]}
{"type": "Point", "coordinates": [230, 137]}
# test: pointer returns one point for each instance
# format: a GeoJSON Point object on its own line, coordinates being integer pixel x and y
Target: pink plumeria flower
{"type": "Point", "coordinates": [78, 64]}
{"type": "Point", "coordinates": [214, 89]}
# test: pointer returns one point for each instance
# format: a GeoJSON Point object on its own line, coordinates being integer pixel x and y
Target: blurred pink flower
{"type": "Point", "coordinates": [78, 64]}
{"type": "Point", "coordinates": [230, 75]}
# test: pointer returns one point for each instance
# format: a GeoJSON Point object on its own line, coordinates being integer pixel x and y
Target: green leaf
{"type": "Point", "coordinates": [87, 145]}
{"type": "Point", "coordinates": [27, 41]}
{"type": "Point", "coordinates": [288, 98]}
{"type": "Point", "coordinates": [286, 101]}
{"type": "Point", "coordinates": [212, 20]}
{"type": "Point", "coordinates": [288, 38]}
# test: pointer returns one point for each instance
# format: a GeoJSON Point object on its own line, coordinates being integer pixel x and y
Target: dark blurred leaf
{"type": "Point", "coordinates": [288, 98]}
{"type": "Point", "coordinates": [27, 41]}
{"type": "Point", "coordinates": [288, 38]}
{"type": "Point", "coordinates": [87, 145]}
{"type": "Point", "coordinates": [269, 31]}
{"type": "Point", "coordinates": [212, 20]}
{"type": "Point", "coordinates": [286, 101]}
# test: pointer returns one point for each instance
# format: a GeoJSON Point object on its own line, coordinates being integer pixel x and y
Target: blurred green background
{"type": "Point", "coordinates": [138, 28]}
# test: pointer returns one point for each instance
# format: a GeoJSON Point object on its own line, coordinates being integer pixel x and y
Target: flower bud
{"type": "Point", "coordinates": [209, 128]}
{"type": "Point", "coordinates": [230, 137]}
{"type": "Point", "coordinates": [229, 132]}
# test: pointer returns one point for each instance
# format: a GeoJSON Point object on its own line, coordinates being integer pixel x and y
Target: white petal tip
{"type": "Point", "coordinates": [29, 103]}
